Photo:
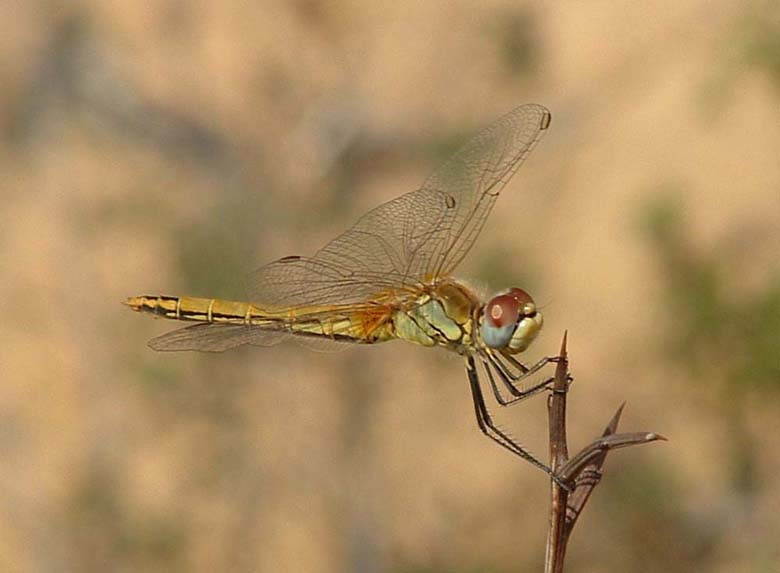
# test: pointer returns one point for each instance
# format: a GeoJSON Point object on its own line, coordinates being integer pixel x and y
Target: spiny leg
{"type": "Point", "coordinates": [523, 370]}
{"type": "Point", "coordinates": [510, 378]}
{"type": "Point", "coordinates": [517, 393]}
{"type": "Point", "coordinates": [488, 427]}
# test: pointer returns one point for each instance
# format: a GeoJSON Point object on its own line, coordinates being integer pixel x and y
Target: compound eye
{"type": "Point", "coordinates": [502, 310]}
{"type": "Point", "coordinates": [522, 297]}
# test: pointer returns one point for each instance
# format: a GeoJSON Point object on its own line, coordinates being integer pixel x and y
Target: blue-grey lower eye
{"type": "Point", "coordinates": [495, 336]}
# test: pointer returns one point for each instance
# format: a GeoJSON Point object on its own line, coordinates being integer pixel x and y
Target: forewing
{"type": "Point", "coordinates": [386, 250]}
{"type": "Point", "coordinates": [473, 178]}
{"type": "Point", "coordinates": [414, 238]}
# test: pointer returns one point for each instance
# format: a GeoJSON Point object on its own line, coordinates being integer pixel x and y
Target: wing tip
{"type": "Point", "coordinates": [156, 345]}
{"type": "Point", "coordinates": [546, 119]}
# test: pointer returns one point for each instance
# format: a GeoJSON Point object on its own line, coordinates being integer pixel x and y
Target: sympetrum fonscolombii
{"type": "Point", "coordinates": [389, 277]}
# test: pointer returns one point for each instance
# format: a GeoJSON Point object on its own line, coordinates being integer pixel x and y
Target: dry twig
{"type": "Point", "coordinates": [582, 473]}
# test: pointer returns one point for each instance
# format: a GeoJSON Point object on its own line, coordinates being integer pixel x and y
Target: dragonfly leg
{"type": "Point", "coordinates": [510, 379]}
{"type": "Point", "coordinates": [523, 370]}
{"type": "Point", "coordinates": [489, 428]}
{"type": "Point", "coordinates": [518, 394]}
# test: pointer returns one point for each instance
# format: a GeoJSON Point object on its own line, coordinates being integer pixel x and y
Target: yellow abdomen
{"type": "Point", "coordinates": [199, 309]}
{"type": "Point", "coordinates": [349, 323]}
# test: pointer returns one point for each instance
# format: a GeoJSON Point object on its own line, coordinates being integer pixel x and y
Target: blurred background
{"type": "Point", "coordinates": [171, 147]}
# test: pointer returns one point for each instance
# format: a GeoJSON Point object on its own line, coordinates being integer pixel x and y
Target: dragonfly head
{"type": "Point", "coordinates": [510, 321]}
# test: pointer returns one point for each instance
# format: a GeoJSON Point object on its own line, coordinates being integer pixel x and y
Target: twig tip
{"type": "Point", "coordinates": [563, 343]}
{"type": "Point", "coordinates": [612, 426]}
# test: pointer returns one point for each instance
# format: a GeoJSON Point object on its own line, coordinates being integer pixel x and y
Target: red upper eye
{"type": "Point", "coordinates": [503, 309]}
{"type": "Point", "coordinates": [520, 296]}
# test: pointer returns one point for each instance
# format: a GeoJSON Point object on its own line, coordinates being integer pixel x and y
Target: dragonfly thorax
{"type": "Point", "coordinates": [510, 321]}
{"type": "Point", "coordinates": [443, 315]}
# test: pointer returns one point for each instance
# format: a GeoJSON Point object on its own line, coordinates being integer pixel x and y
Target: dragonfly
{"type": "Point", "coordinates": [389, 277]}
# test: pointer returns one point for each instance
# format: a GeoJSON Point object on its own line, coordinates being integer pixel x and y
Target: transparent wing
{"type": "Point", "coordinates": [215, 337]}
{"type": "Point", "coordinates": [473, 178]}
{"type": "Point", "coordinates": [416, 237]}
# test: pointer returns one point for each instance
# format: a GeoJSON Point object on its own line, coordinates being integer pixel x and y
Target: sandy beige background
{"type": "Point", "coordinates": [171, 147]}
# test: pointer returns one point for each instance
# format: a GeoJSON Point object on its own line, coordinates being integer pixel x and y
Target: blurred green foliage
{"type": "Point", "coordinates": [751, 44]}
{"type": "Point", "coordinates": [414, 568]}
{"type": "Point", "coordinates": [101, 529]}
{"type": "Point", "coordinates": [760, 39]}
{"type": "Point", "coordinates": [516, 33]}
{"type": "Point", "coordinates": [727, 340]}
{"type": "Point", "coordinates": [648, 499]}
{"type": "Point", "coordinates": [714, 324]}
